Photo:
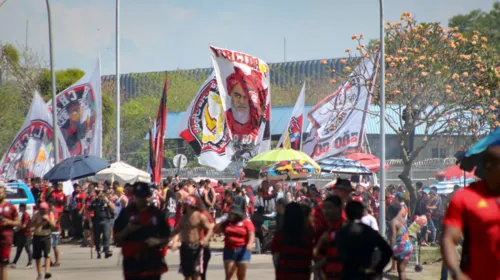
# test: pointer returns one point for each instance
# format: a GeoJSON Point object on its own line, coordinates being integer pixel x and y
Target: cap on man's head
{"type": "Point", "coordinates": [142, 189]}
{"type": "Point", "coordinates": [343, 184]}
{"type": "Point", "coordinates": [190, 200]}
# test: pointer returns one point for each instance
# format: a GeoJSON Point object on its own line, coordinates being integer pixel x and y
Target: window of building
{"type": "Point", "coordinates": [438, 152]}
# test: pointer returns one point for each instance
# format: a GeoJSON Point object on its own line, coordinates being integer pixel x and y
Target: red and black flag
{"type": "Point", "coordinates": [156, 137]}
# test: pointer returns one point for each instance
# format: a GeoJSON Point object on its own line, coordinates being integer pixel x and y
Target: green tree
{"type": "Point", "coordinates": [437, 79]}
{"type": "Point", "coordinates": [486, 23]}
{"type": "Point", "coordinates": [14, 110]}
{"type": "Point", "coordinates": [108, 125]}
{"type": "Point", "coordinates": [64, 79]}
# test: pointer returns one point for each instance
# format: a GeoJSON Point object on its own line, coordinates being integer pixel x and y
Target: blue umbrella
{"type": "Point", "coordinates": [491, 139]}
{"type": "Point", "coordinates": [343, 166]}
{"type": "Point", "coordinates": [473, 157]}
{"type": "Point", "coordinates": [75, 168]}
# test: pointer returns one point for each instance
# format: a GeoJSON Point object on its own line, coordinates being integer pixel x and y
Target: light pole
{"type": "Point", "coordinates": [54, 89]}
{"type": "Point", "coordinates": [382, 121]}
{"type": "Point", "coordinates": [118, 80]}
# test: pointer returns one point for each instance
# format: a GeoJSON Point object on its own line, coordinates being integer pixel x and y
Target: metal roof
{"type": "Point", "coordinates": [281, 115]}
{"type": "Point", "coordinates": [282, 74]}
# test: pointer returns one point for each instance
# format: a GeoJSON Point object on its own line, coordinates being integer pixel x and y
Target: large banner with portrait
{"type": "Point", "coordinates": [244, 88]}
{"type": "Point", "coordinates": [79, 114]}
{"type": "Point", "coordinates": [337, 121]}
{"type": "Point", "coordinates": [204, 127]}
{"type": "Point", "coordinates": [31, 154]}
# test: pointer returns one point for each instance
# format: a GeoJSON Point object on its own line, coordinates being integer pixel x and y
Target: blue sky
{"type": "Point", "coordinates": [159, 35]}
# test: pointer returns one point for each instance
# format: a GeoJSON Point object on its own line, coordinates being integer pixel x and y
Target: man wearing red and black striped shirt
{"type": "Point", "coordinates": [326, 252]}
{"type": "Point", "coordinates": [23, 237]}
{"type": "Point", "coordinates": [9, 218]}
{"type": "Point", "coordinates": [342, 189]}
{"type": "Point", "coordinates": [292, 245]}
{"type": "Point", "coordinates": [59, 198]}
{"type": "Point", "coordinates": [142, 233]}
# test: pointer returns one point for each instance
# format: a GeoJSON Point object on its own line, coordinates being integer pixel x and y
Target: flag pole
{"type": "Point", "coordinates": [302, 126]}
{"type": "Point", "coordinates": [118, 144]}
{"type": "Point", "coordinates": [54, 89]}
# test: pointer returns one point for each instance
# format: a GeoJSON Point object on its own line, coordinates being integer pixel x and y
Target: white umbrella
{"type": "Point", "coordinates": [123, 173]}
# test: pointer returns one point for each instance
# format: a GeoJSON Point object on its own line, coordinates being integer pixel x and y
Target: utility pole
{"type": "Point", "coordinates": [284, 49]}
{"type": "Point", "coordinates": [382, 121]}
{"type": "Point", "coordinates": [26, 41]}
{"type": "Point", "coordinates": [118, 142]}
{"type": "Point", "coordinates": [54, 89]}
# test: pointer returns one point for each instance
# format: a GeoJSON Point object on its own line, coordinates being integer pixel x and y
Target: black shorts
{"type": "Point", "coordinates": [41, 244]}
{"type": "Point", "coordinates": [86, 225]}
{"type": "Point", "coordinates": [191, 259]}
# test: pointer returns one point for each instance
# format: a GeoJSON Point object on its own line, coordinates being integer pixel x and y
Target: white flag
{"type": "Point", "coordinates": [244, 88]}
{"type": "Point", "coordinates": [79, 114]}
{"type": "Point", "coordinates": [204, 127]}
{"type": "Point", "coordinates": [338, 120]}
{"type": "Point", "coordinates": [292, 136]}
{"type": "Point", "coordinates": [31, 154]}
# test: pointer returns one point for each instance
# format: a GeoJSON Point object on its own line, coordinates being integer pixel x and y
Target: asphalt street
{"type": "Point", "coordinates": [77, 265]}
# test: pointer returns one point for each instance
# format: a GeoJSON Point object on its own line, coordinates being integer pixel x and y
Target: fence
{"type": "Point", "coordinates": [423, 171]}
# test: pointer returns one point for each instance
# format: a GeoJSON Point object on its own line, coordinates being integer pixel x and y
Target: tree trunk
{"type": "Point", "coordinates": [404, 176]}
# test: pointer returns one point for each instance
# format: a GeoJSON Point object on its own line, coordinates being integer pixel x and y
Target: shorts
{"type": "Point", "coordinates": [86, 225]}
{"type": "Point", "coordinates": [4, 253]}
{"type": "Point", "coordinates": [41, 244]}
{"type": "Point", "coordinates": [191, 259]}
{"type": "Point", "coordinates": [56, 238]}
{"type": "Point", "coordinates": [238, 255]}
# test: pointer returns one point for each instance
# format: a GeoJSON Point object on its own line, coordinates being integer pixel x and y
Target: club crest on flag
{"type": "Point", "coordinates": [31, 153]}
{"type": "Point", "coordinates": [76, 117]}
{"type": "Point", "coordinates": [207, 119]}
{"type": "Point", "coordinates": [204, 126]}
{"type": "Point", "coordinates": [79, 114]}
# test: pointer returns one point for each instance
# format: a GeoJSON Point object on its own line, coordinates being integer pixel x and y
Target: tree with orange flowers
{"type": "Point", "coordinates": [437, 80]}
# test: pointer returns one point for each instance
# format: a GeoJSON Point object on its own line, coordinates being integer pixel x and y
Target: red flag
{"type": "Point", "coordinates": [158, 142]}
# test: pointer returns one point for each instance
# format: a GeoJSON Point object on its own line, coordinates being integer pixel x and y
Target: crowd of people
{"type": "Point", "coordinates": [330, 233]}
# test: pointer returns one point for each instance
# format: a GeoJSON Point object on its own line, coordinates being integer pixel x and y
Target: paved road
{"type": "Point", "coordinates": [77, 265]}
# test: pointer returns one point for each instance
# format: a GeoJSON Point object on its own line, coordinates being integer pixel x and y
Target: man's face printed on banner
{"type": "Point", "coordinates": [239, 104]}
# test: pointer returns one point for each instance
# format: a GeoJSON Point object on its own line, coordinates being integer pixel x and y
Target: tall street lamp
{"type": "Point", "coordinates": [54, 89]}
{"type": "Point", "coordinates": [382, 122]}
{"type": "Point", "coordinates": [118, 80]}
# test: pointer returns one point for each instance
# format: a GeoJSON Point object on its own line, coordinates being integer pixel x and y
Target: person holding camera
{"type": "Point", "coordinates": [103, 208]}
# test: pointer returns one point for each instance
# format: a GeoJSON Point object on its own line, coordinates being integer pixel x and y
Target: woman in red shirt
{"type": "Point", "coordinates": [239, 237]}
